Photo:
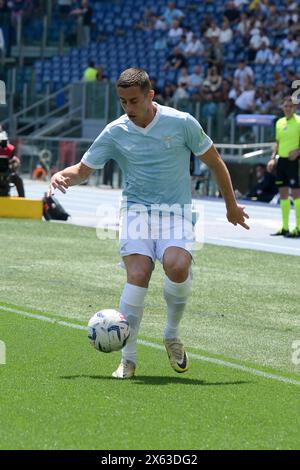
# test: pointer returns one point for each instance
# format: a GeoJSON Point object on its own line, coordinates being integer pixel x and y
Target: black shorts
{"type": "Point", "coordinates": [288, 173]}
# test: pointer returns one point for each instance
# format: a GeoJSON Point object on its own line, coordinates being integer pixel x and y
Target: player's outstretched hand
{"type": "Point", "coordinates": [237, 216]}
{"type": "Point", "coordinates": [58, 181]}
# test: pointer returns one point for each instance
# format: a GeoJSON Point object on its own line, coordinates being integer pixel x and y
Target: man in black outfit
{"type": "Point", "coordinates": [265, 188]}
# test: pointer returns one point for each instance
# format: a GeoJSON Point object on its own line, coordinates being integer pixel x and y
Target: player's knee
{"type": "Point", "coordinates": [139, 277]}
{"type": "Point", "coordinates": [177, 270]}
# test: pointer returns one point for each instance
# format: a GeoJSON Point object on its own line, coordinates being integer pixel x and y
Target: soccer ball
{"type": "Point", "coordinates": [108, 330]}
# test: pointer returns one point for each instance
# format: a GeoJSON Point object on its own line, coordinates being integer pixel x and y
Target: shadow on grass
{"type": "Point", "coordinates": [155, 380]}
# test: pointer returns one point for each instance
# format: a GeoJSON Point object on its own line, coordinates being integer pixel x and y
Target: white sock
{"type": "Point", "coordinates": [176, 295]}
{"type": "Point", "coordinates": [132, 306]}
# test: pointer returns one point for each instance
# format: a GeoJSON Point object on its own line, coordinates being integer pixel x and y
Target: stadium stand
{"type": "Point", "coordinates": [123, 34]}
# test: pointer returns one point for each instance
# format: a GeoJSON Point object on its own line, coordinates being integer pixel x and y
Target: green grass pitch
{"type": "Point", "coordinates": [57, 392]}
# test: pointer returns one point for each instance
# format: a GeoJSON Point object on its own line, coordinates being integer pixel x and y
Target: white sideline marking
{"type": "Point", "coordinates": [199, 357]}
{"type": "Point", "coordinates": [250, 242]}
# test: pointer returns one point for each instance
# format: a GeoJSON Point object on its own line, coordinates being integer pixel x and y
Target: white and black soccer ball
{"type": "Point", "coordinates": [108, 330]}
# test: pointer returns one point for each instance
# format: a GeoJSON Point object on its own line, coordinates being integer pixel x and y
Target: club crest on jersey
{"type": "Point", "coordinates": [167, 140]}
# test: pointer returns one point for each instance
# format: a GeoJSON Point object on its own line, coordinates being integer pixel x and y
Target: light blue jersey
{"type": "Point", "coordinates": [155, 160]}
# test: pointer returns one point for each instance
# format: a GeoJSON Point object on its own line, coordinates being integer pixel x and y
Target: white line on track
{"type": "Point", "coordinates": [198, 357]}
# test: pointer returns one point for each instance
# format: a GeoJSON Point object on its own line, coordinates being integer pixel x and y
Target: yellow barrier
{"type": "Point", "coordinates": [21, 207]}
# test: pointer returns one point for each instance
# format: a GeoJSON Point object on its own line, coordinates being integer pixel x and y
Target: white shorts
{"type": "Point", "coordinates": [150, 235]}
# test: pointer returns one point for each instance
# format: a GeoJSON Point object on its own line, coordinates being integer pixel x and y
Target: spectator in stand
{"type": "Point", "coordinates": [243, 26]}
{"type": "Point", "coordinates": [90, 73]}
{"type": "Point", "coordinates": [233, 94]}
{"type": "Point", "coordinates": [180, 94]}
{"type": "Point", "coordinates": [101, 77]}
{"type": "Point", "coordinates": [175, 61]}
{"type": "Point", "coordinates": [182, 45]}
{"type": "Point", "coordinates": [85, 14]}
{"type": "Point", "coordinates": [263, 102]}
{"type": "Point", "coordinates": [214, 53]}
{"type": "Point", "coordinates": [288, 60]}
{"type": "Point", "coordinates": [274, 56]}
{"type": "Point", "coordinates": [245, 101]}
{"type": "Point", "coordinates": [172, 13]}
{"type": "Point", "coordinates": [225, 98]}
{"type": "Point", "coordinates": [291, 5]}
{"type": "Point", "coordinates": [256, 41]}
{"type": "Point", "coordinates": [205, 24]}
{"type": "Point", "coordinates": [291, 77]}
{"type": "Point", "coordinates": [183, 76]}
{"type": "Point", "coordinates": [295, 24]}
{"type": "Point", "coordinates": [188, 33]}
{"type": "Point", "coordinates": [214, 81]}
{"type": "Point", "coordinates": [194, 48]}
{"type": "Point", "coordinates": [209, 108]}
{"type": "Point", "coordinates": [195, 81]}
{"type": "Point", "coordinates": [213, 31]}
{"type": "Point", "coordinates": [289, 44]}
{"type": "Point", "coordinates": [274, 20]}
{"type": "Point", "coordinates": [159, 24]}
{"type": "Point", "coordinates": [160, 42]}
{"type": "Point", "coordinates": [226, 33]}
{"type": "Point", "coordinates": [232, 13]}
{"type": "Point", "coordinates": [256, 24]}
{"type": "Point", "coordinates": [263, 55]}
{"type": "Point", "coordinates": [278, 92]}
{"type": "Point", "coordinates": [263, 8]}
{"type": "Point", "coordinates": [168, 93]}
{"type": "Point", "coordinates": [175, 33]}
{"type": "Point", "coordinates": [289, 18]}
{"type": "Point", "coordinates": [243, 73]}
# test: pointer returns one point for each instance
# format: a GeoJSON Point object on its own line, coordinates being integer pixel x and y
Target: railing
{"type": "Point", "coordinates": [99, 105]}
{"type": "Point", "coordinates": [237, 158]}
{"type": "Point", "coordinates": [41, 112]}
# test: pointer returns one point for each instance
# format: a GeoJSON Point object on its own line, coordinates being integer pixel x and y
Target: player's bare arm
{"type": "Point", "coordinates": [235, 214]}
{"type": "Point", "coordinates": [272, 162]}
{"type": "Point", "coordinates": [70, 176]}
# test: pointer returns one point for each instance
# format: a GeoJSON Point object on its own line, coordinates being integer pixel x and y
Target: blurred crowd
{"type": "Point", "coordinates": [247, 56]}
{"type": "Point", "coordinates": [262, 34]}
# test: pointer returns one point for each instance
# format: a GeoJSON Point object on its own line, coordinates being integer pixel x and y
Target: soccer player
{"type": "Point", "coordinates": [287, 166]}
{"type": "Point", "coordinates": [152, 144]}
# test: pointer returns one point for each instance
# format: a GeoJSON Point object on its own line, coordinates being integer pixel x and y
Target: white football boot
{"type": "Point", "coordinates": [125, 370]}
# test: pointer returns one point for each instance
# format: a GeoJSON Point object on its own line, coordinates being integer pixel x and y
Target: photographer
{"type": "Point", "coordinates": [7, 151]}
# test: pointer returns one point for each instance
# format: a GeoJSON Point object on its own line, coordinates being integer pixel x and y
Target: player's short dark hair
{"type": "Point", "coordinates": [135, 77]}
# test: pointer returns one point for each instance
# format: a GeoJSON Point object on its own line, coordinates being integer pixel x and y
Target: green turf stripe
{"type": "Point", "coordinates": [199, 357]}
